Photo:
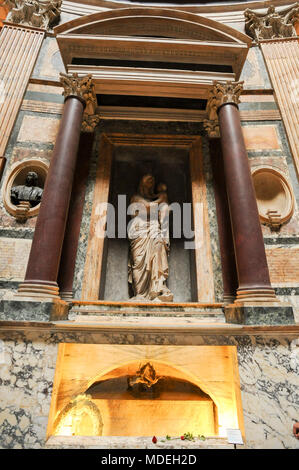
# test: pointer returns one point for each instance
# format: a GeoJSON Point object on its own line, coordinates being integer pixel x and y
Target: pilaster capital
{"type": "Point", "coordinates": [35, 13]}
{"type": "Point", "coordinates": [273, 24]}
{"type": "Point", "coordinates": [81, 87]}
{"type": "Point", "coordinates": [221, 93]}
{"type": "Point", "coordinates": [89, 123]}
{"type": "Point", "coordinates": [84, 89]}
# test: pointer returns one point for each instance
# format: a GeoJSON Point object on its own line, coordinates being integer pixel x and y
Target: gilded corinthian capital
{"type": "Point", "coordinates": [228, 92]}
{"type": "Point", "coordinates": [38, 13]}
{"type": "Point", "coordinates": [220, 94]}
{"type": "Point", "coordinates": [84, 89]}
{"type": "Point", "coordinates": [273, 24]}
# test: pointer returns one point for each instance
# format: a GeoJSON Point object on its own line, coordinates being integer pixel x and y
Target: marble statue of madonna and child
{"type": "Point", "coordinates": [149, 242]}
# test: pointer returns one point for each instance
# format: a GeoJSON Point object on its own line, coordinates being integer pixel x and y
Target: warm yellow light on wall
{"type": "Point", "coordinates": [196, 389]}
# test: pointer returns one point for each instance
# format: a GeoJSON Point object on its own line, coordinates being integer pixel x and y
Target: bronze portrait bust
{"type": "Point", "coordinates": [29, 191]}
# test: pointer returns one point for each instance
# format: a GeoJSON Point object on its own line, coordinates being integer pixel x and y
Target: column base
{"type": "Point", "coordinates": [67, 296]}
{"type": "Point", "coordinates": [261, 295]}
{"type": "Point", "coordinates": [38, 290]}
{"type": "Point", "coordinates": [228, 299]}
{"type": "Point", "coordinates": [259, 314]}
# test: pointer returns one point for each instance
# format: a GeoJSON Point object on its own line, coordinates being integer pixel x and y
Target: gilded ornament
{"type": "Point", "coordinates": [40, 14]}
{"type": "Point", "coordinates": [273, 24]}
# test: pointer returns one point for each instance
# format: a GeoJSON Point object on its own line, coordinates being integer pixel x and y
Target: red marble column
{"type": "Point", "coordinates": [228, 263]}
{"type": "Point", "coordinates": [72, 232]}
{"type": "Point", "coordinates": [252, 268]}
{"type": "Point", "coordinates": [44, 258]}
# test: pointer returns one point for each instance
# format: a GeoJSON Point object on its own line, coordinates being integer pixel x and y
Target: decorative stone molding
{"type": "Point", "coordinates": [37, 13]}
{"type": "Point", "coordinates": [211, 125]}
{"type": "Point", "coordinates": [274, 196]}
{"type": "Point", "coordinates": [220, 94]}
{"type": "Point", "coordinates": [17, 176]}
{"type": "Point", "coordinates": [273, 24]}
{"type": "Point", "coordinates": [212, 128]}
{"type": "Point", "coordinates": [84, 89]}
{"type": "Point", "coordinates": [22, 211]}
{"type": "Point", "coordinates": [90, 121]}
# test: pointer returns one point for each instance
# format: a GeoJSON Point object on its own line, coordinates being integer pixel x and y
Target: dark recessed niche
{"type": "Point", "coordinates": [151, 102]}
{"type": "Point", "coordinates": [152, 64]}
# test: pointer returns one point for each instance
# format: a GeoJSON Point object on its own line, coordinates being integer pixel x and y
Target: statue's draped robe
{"type": "Point", "coordinates": [148, 264]}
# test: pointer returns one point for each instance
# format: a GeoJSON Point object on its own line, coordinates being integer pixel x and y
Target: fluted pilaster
{"type": "Point", "coordinates": [282, 59]}
{"type": "Point", "coordinates": [19, 48]}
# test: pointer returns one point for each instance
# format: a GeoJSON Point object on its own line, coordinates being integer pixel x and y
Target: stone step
{"type": "Point", "coordinates": [126, 312]}
{"type": "Point", "coordinates": [113, 308]}
{"type": "Point", "coordinates": [150, 319]}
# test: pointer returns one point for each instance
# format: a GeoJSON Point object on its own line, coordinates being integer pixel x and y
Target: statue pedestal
{"type": "Point", "coordinates": [18, 308]}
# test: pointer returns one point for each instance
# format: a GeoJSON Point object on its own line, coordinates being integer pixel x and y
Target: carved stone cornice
{"type": "Point", "coordinates": [273, 24]}
{"type": "Point", "coordinates": [220, 94]}
{"type": "Point", "coordinates": [36, 13]}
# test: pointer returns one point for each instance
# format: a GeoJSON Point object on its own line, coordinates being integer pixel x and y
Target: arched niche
{"type": "Point", "coordinates": [17, 176]}
{"type": "Point", "coordinates": [274, 196]}
{"type": "Point", "coordinates": [147, 398]}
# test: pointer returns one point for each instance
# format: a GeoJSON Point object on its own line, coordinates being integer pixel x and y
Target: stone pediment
{"type": "Point", "coordinates": [153, 22]}
{"type": "Point", "coordinates": [130, 41]}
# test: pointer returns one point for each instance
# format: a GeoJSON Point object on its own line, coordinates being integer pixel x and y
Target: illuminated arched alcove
{"type": "Point", "coordinates": [145, 390]}
{"type": "Point", "coordinates": [171, 403]}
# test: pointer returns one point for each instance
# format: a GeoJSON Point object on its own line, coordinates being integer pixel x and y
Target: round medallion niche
{"type": "Point", "coordinates": [31, 176]}
{"type": "Point", "coordinates": [274, 197]}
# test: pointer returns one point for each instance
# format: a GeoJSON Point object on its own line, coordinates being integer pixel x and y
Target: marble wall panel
{"type": "Point", "coordinates": [49, 63]}
{"type": "Point", "coordinates": [38, 129]}
{"type": "Point", "coordinates": [283, 265]}
{"type": "Point", "coordinates": [26, 379]}
{"type": "Point", "coordinates": [14, 253]}
{"type": "Point", "coordinates": [261, 137]}
{"type": "Point", "coordinates": [213, 227]}
{"type": "Point", "coordinates": [254, 72]}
